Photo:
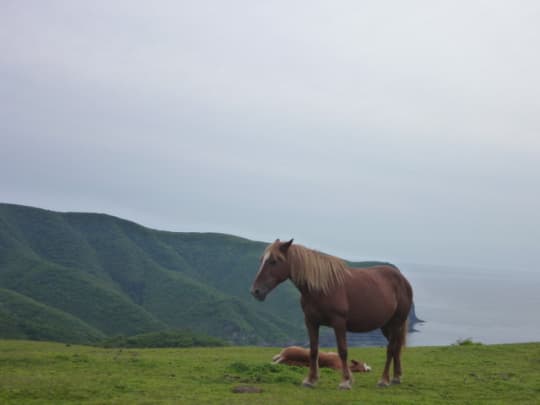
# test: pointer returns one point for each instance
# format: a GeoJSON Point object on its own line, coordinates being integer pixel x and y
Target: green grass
{"type": "Point", "coordinates": [40, 373]}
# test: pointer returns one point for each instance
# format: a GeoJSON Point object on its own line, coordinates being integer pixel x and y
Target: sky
{"type": "Point", "coordinates": [402, 131]}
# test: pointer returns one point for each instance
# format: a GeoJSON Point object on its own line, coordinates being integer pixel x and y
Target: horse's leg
{"type": "Point", "coordinates": [385, 378]}
{"type": "Point", "coordinates": [341, 340]}
{"type": "Point", "coordinates": [396, 379]}
{"type": "Point", "coordinates": [400, 342]}
{"type": "Point", "coordinates": [313, 376]}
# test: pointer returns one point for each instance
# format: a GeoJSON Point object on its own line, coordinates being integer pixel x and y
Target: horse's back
{"type": "Point", "coordinates": [384, 279]}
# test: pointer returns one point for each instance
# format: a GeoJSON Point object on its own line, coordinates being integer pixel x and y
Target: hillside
{"type": "Point", "coordinates": [78, 277]}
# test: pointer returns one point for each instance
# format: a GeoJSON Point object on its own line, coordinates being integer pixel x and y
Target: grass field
{"type": "Point", "coordinates": [39, 373]}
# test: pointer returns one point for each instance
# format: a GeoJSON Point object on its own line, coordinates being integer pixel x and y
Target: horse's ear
{"type": "Point", "coordinates": [285, 246]}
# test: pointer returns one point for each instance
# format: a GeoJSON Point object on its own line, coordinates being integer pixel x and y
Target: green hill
{"type": "Point", "coordinates": [23, 318]}
{"type": "Point", "coordinates": [113, 276]}
{"type": "Point", "coordinates": [77, 277]}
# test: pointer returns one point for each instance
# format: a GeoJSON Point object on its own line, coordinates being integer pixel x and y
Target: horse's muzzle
{"type": "Point", "coordinates": [258, 293]}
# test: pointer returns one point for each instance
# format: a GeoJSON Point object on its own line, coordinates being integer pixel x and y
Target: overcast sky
{"type": "Point", "coordinates": [404, 131]}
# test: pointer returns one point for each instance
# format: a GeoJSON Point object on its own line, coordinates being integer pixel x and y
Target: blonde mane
{"type": "Point", "coordinates": [315, 270]}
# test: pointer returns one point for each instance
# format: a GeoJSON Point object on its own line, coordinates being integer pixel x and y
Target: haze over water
{"type": "Point", "coordinates": [488, 305]}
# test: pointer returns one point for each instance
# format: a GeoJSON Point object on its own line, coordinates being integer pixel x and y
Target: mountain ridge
{"type": "Point", "coordinates": [118, 277]}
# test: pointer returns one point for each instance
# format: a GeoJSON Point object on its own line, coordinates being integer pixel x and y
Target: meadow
{"type": "Point", "coordinates": [55, 373]}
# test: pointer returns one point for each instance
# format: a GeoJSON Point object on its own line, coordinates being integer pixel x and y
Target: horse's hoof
{"type": "Point", "coordinates": [308, 384]}
{"type": "Point", "coordinates": [345, 385]}
{"type": "Point", "coordinates": [395, 381]}
{"type": "Point", "coordinates": [383, 384]}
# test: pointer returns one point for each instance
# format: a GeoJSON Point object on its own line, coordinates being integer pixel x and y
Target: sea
{"type": "Point", "coordinates": [485, 305]}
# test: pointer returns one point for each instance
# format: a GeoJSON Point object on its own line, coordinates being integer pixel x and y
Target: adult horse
{"type": "Point", "coordinates": [346, 299]}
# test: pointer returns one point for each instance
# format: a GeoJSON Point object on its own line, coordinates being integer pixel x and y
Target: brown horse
{"type": "Point", "coordinates": [298, 356]}
{"type": "Point", "coordinates": [346, 299]}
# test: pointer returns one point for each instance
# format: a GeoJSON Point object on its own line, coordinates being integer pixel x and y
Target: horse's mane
{"type": "Point", "coordinates": [315, 270]}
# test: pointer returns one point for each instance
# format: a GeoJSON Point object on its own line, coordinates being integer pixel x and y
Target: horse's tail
{"type": "Point", "coordinates": [403, 333]}
{"type": "Point", "coordinates": [405, 326]}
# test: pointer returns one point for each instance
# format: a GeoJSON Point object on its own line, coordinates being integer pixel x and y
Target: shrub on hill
{"type": "Point", "coordinates": [163, 339]}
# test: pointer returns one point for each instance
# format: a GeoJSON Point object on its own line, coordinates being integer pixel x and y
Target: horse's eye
{"type": "Point", "coordinates": [272, 262]}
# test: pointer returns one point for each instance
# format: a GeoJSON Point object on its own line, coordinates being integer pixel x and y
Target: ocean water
{"type": "Point", "coordinates": [486, 305]}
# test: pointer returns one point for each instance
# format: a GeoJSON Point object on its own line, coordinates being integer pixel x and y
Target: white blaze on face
{"type": "Point", "coordinates": [263, 261]}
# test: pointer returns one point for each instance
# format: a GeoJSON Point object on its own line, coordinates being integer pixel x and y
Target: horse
{"type": "Point", "coordinates": [298, 356]}
{"type": "Point", "coordinates": [343, 298]}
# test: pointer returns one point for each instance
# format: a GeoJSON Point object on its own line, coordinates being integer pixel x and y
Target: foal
{"type": "Point", "coordinates": [298, 356]}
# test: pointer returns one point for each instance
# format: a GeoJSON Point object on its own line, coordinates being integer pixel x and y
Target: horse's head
{"type": "Point", "coordinates": [274, 269]}
{"type": "Point", "coordinates": [359, 367]}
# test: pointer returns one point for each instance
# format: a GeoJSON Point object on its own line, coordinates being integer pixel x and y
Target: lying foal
{"type": "Point", "coordinates": [298, 356]}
